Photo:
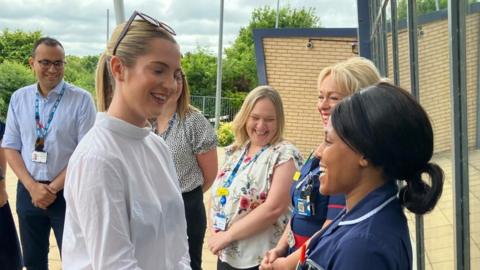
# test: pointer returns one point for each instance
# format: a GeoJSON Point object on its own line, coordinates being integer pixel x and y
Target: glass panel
{"type": "Point", "coordinates": [473, 90]}
{"type": "Point", "coordinates": [435, 97]}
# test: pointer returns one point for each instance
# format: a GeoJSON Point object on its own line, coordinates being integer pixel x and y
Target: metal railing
{"type": "Point", "coordinates": [206, 104]}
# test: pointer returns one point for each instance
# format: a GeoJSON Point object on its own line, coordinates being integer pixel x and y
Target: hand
{"type": "Point", "coordinates": [3, 198]}
{"type": "Point", "coordinates": [266, 264]}
{"type": "Point", "coordinates": [279, 263]}
{"type": "Point", "coordinates": [273, 254]}
{"type": "Point", "coordinates": [42, 197]}
{"type": "Point", "coordinates": [218, 241]}
{"type": "Point", "coordinates": [53, 188]}
{"type": "Point", "coordinates": [269, 258]}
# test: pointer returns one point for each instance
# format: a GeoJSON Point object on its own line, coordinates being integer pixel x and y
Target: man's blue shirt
{"type": "Point", "coordinates": [74, 116]}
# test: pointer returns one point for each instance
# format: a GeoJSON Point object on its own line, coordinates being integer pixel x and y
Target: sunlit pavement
{"type": "Point", "coordinates": [439, 229]}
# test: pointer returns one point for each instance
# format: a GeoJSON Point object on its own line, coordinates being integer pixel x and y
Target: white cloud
{"type": "Point", "coordinates": [81, 24]}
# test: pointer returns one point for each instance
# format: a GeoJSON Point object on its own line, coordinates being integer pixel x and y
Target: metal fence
{"type": "Point", "coordinates": [228, 107]}
{"type": "Point", "coordinates": [375, 13]}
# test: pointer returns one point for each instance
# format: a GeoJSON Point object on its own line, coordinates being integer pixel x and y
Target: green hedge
{"type": "Point", "coordinates": [13, 76]}
{"type": "Point", "coordinates": [225, 134]}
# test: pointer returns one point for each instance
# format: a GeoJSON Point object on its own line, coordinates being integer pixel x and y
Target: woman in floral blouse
{"type": "Point", "coordinates": [249, 208]}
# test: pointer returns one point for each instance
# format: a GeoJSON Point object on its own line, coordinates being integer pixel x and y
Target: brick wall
{"type": "Point", "coordinates": [292, 69]}
{"type": "Point", "coordinates": [434, 76]}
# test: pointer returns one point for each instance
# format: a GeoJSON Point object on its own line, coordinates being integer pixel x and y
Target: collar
{"type": "Point", "coordinates": [119, 126]}
{"type": "Point", "coordinates": [57, 89]}
{"type": "Point", "coordinates": [371, 204]}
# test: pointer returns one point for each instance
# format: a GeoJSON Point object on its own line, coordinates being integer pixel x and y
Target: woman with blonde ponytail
{"type": "Point", "coordinates": [124, 207]}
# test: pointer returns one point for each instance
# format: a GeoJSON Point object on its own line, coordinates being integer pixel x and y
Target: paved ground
{"type": "Point", "coordinates": [439, 228]}
{"type": "Point", "coordinates": [439, 225]}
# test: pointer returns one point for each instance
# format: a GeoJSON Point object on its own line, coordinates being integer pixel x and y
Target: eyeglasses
{"type": "Point", "coordinates": [146, 18]}
{"type": "Point", "coordinates": [46, 64]}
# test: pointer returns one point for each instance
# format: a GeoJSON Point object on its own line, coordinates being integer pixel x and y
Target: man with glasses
{"type": "Point", "coordinates": [45, 122]}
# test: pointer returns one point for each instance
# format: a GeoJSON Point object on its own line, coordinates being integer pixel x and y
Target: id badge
{"type": "Point", "coordinates": [39, 156]}
{"type": "Point", "coordinates": [304, 207]}
{"type": "Point", "coordinates": [220, 222]}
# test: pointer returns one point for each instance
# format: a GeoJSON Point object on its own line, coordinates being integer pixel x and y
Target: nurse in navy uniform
{"type": "Point", "coordinates": [375, 137]}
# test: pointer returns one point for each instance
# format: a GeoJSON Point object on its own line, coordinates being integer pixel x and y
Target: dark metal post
{"type": "Point", "coordinates": [413, 50]}
{"type": "Point", "coordinates": [413, 46]}
{"type": "Point", "coordinates": [383, 36]}
{"type": "Point", "coordinates": [364, 26]}
{"type": "Point", "coordinates": [374, 36]}
{"type": "Point", "coordinates": [395, 60]}
{"type": "Point", "coordinates": [458, 85]}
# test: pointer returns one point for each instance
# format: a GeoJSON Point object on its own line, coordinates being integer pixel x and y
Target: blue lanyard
{"type": "Point", "coordinates": [310, 174]}
{"type": "Point", "coordinates": [164, 135]}
{"type": "Point", "coordinates": [41, 131]}
{"type": "Point", "coordinates": [234, 172]}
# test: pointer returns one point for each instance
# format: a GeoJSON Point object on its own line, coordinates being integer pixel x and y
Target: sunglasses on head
{"type": "Point", "coordinates": [146, 18]}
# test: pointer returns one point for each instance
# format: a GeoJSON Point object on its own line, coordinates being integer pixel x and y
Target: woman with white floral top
{"type": "Point", "coordinates": [249, 211]}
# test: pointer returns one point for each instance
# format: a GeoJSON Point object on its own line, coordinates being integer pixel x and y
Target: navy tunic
{"type": "Point", "coordinates": [373, 235]}
{"type": "Point", "coordinates": [325, 207]}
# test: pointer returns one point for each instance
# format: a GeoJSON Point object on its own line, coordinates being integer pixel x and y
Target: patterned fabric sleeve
{"type": "Point", "coordinates": [201, 133]}
{"type": "Point", "coordinates": [287, 151]}
{"type": "Point", "coordinates": [283, 152]}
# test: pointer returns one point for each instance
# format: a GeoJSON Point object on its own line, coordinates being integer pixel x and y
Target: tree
{"type": "Point", "coordinates": [200, 68]}
{"type": "Point", "coordinates": [80, 71]}
{"type": "Point", "coordinates": [13, 75]}
{"type": "Point", "coordinates": [17, 46]}
{"type": "Point", "coordinates": [240, 72]}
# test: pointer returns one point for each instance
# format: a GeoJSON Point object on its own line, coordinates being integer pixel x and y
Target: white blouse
{"type": "Point", "coordinates": [124, 207]}
{"type": "Point", "coordinates": [246, 192]}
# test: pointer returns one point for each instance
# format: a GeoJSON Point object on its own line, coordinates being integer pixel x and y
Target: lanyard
{"type": "Point", "coordinates": [310, 174]}
{"type": "Point", "coordinates": [233, 174]}
{"type": "Point", "coordinates": [165, 133]}
{"type": "Point", "coordinates": [41, 131]}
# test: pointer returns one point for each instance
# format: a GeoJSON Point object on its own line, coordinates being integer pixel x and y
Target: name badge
{"type": "Point", "coordinates": [304, 207]}
{"type": "Point", "coordinates": [39, 156]}
{"type": "Point", "coordinates": [220, 222]}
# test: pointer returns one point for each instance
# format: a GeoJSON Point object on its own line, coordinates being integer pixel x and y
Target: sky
{"type": "Point", "coordinates": [81, 25]}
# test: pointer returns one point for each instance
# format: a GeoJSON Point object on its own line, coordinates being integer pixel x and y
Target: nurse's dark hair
{"type": "Point", "coordinates": [391, 130]}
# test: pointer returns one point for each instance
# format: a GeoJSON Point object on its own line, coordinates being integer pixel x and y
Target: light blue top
{"type": "Point", "coordinates": [74, 116]}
